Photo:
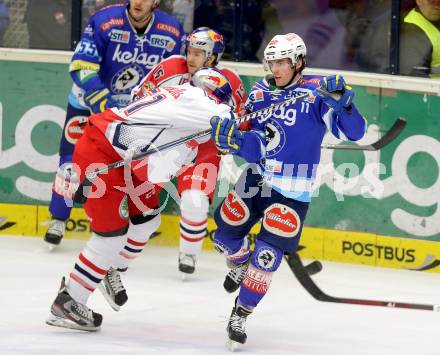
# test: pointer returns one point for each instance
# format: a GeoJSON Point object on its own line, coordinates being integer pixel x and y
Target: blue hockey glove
{"type": "Point", "coordinates": [99, 100]}
{"type": "Point", "coordinates": [226, 135]}
{"type": "Point", "coordinates": [334, 92]}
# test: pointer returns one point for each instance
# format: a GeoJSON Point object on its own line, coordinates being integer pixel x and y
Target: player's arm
{"type": "Point", "coordinates": [338, 110]}
{"type": "Point", "coordinates": [85, 65]}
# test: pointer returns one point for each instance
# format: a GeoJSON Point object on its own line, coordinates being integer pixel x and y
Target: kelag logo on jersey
{"type": "Point", "coordinates": [162, 42]}
{"type": "Point", "coordinates": [119, 36]}
{"type": "Point", "coordinates": [135, 56]}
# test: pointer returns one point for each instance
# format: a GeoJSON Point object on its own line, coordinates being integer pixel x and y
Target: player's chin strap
{"type": "Point", "coordinates": [85, 186]}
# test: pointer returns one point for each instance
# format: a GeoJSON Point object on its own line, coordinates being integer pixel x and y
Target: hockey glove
{"type": "Point", "coordinates": [226, 135]}
{"type": "Point", "coordinates": [99, 100]}
{"type": "Point", "coordinates": [335, 93]}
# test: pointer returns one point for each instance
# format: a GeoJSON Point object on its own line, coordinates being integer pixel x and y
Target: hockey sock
{"type": "Point", "coordinates": [92, 265]}
{"type": "Point", "coordinates": [194, 207]}
{"type": "Point", "coordinates": [137, 238]}
{"type": "Point", "coordinates": [61, 200]}
{"type": "Point", "coordinates": [265, 260]}
{"type": "Point", "coordinates": [236, 251]}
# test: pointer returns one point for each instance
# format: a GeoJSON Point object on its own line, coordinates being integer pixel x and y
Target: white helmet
{"type": "Point", "coordinates": [289, 45]}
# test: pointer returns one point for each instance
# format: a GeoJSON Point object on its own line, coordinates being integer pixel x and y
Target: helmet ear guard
{"type": "Point", "coordinates": [214, 83]}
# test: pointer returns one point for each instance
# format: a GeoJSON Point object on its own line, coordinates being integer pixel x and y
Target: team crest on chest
{"type": "Point", "coordinates": [275, 138]}
{"type": "Point", "coordinates": [126, 78]}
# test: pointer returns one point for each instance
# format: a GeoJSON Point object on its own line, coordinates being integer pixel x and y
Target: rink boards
{"type": "Point", "coordinates": [316, 243]}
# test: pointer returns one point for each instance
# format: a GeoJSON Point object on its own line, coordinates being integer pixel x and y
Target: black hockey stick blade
{"type": "Point", "coordinates": [312, 288]}
{"type": "Point", "coordinates": [386, 139]}
{"type": "Point", "coordinates": [313, 268]}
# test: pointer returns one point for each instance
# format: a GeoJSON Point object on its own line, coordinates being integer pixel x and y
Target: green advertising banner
{"type": "Point", "coordinates": [393, 192]}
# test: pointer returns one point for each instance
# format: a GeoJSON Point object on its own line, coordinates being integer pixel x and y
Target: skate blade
{"type": "Point", "coordinates": [232, 345]}
{"type": "Point", "coordinates": [184, 276]}
{"type": "Point", "coordinates": [66, 323]}
{"type": "Point", "coordinates": [109, 300]}
{"type": "Point", "coordinates": [51, 247]}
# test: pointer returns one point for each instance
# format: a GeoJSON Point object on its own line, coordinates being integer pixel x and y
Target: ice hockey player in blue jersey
{"type": "Point", "coordinates": [119, 46]}
{"type": "Point", "coordinates": [283, 150]}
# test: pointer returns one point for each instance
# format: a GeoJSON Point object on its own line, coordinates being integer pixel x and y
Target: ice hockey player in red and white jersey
{"type": "Point", "coordinates": [196, 185]}
{"type": "Point", "coordinates": [122, 207]}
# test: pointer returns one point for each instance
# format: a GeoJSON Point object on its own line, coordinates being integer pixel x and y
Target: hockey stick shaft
{"type": "Point", "coordinates": [387, 138]}
{"type": "Point", "coordinates": [80, 194]}
{"type": "Point", "coordinates": [313, 289]}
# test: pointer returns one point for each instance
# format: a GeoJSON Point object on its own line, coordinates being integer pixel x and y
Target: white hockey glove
{"type": "Point", "coordinates": [163, 166]}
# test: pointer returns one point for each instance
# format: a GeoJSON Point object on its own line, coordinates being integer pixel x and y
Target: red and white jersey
{"type": "Point", "coordinates": [174, 71]}
{"type": "Point", "coordinates": [160, 116]}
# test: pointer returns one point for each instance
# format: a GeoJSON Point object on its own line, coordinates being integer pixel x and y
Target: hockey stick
{"type": "Point", "coordinates": [306, 281]}
{"type": "Point", "coordinates": [387, 138]}
{"type": "Point", "coordinates": [85, 186]}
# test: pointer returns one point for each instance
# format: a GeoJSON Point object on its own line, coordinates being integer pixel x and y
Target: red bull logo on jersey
{"type": "Point", "coordinates": [281, 220]}
{"type": "Point", "coordinates": [119, 36]}
{"type": "Point", "coordinates": [164, 42]}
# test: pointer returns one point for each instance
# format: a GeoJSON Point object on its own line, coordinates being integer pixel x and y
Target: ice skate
{"type": "Point", "coordinates": [55, 232]}
{"type": "Point", "coordinates": [236, 326]}
{"type": "Point", "coordinates": [235, 276]}
{"type": "Point", "coordinates": [67, 313]}
{"type": "Point", "coordinates": [187, 264]}
{"type": "Point", "coordinates": [113, 290]}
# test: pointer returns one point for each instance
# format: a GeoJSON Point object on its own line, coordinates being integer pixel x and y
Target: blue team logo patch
{"type": "Point", "coordinates": [275, 138]}
{"type": "Point", "coordinates": [164, 42]}
{"type": "Point", "coordinates": [126, 79]}
{"type": "Point", "coordinates": [119, 36]}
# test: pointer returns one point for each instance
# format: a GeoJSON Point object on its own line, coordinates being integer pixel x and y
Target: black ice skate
{"type": "Point", "coordinates": [236, 325]}
{"type": "Point", "coordinates": [67, 313]}
{"type": "Point", "coordinates": [55, 232]}
{"type": "Point", "coordinates": [234, 277]}
{"type": "Point", "coordinates": [187, 263]}
{"type": "Point", "coordinates": [113, 290]}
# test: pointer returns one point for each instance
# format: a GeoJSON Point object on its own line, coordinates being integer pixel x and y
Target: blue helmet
{"type": "Point", "coordinates": [214, 83]}
{"type": "Point", "coordinates": [207, 39]}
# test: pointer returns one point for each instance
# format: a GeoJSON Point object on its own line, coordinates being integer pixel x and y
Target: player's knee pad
{"type": "Point", "coordinates": [142, 227]}
{"type": "Point", "coordinates": [194, 205]}
{"type": "Point", "coordinates": [266, 257]}
{"type": "Point", "coordinates": [102, 251]}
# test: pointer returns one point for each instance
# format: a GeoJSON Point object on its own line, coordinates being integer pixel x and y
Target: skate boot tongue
{"type": "Point", "coordinates": [113, 290]}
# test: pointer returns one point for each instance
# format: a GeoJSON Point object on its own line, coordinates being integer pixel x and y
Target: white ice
{"type": "Point", "coordinates": [167, 316]}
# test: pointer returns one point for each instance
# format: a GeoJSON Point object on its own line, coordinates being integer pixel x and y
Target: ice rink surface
{"type": "Point", "coordinates": [167, 316]}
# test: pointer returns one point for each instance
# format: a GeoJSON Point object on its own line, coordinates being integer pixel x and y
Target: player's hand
{"type": "Point", "coordinates": [99, 100]}
{"type": "Point", "coordinates": [335, 93]}
{"type": "Point", "coordinates": [226, 135]}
